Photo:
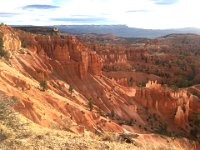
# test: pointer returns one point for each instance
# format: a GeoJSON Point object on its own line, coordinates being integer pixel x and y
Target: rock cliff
{"type": "Point", "coordinates": [65, 49]}
{"type": "Point", "coordinates": [80, 97]}
{"type": "Point", "coordinates": [10, 40]}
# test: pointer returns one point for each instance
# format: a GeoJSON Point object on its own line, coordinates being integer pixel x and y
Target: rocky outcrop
{"type": "Point", "coordinates": [10, 40]}
{"type": "Point", "coordinates": [153, 85]}
{"type": "Point", "coordinates": [65, 49]}
{"type": "Point", "coordinates": [174, 106]}
{"type": "Point", "coordinates": [83, 64]}
{"type": "Point", "coordinates": [182, 115]}
{"type": "Point", "coordinates": [65, 62]}
{"type": "Point", "coordinates": [95, 63]}
{"type": "Point", "coordinates": [113, 57]}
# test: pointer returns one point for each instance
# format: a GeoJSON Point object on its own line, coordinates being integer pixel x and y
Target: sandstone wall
{"type": "Point", "coordinates": [175, 107]}
{"type": "Point", "coordinates": [67, 50]}
{"type": "Point", "coordinates": [10, 39]}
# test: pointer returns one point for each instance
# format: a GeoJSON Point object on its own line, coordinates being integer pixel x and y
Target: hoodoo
{"type": "Point", "coordinates": [101, 88]}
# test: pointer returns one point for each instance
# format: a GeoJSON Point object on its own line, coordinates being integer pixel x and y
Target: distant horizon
{"type": "Point", "coordinates": [103, 25]}
{"type": "Point", "coordinates": [146, 14]}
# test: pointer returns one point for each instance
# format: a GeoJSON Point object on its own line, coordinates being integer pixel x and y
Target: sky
{"type": "Point", "coordinates": [148, 14]}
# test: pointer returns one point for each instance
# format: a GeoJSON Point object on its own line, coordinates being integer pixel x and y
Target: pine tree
{"type": "Point", "coordinates": [43, 85]}
{"type": "Point", "coordinates": [90, 105]}
{"type": "Point", "coordinates": [70, 89]}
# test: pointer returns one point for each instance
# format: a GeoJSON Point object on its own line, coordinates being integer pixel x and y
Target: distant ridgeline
{"type": "Point", "coordinates": [117, 30]}
{"type": "Point", "coordinates": [39, 30]}
{"type": "Point", "coordinates": [123, 30]}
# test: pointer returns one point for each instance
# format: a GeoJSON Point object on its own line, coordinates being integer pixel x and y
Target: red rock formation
{"type": "Point", "coordinates": [153, 85]}
{"type": "Point", "coordinates": [65, 49]}
{"type": "Point", "coordinates": [64, 61]}
{"type": "Point", "coordinates": [175, 107]}
{"type": "Point", "coordinates": [95, 63]}
{"type": "Point", "coordinates": [10, 39]}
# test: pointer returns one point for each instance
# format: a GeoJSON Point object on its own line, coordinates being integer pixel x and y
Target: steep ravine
{"type": "Point", "coordinates": [65, 62]}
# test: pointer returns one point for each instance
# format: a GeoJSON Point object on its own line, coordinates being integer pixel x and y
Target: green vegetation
{"type": "Point", "coordinates": [185, 83]}
{"type": "Point", "coordinates": [3, 53]}
{"type": "Point", "coordinates": [141, 84]}
{"type": "Point", "coordinates": [162, 129]}
{"type": "Point", "coordinates": [7, 115]}
{"type": "Point", "coordinates": [159, 62]}
{"type": "Point", "coordinates": [90, 105]}
{"type": "Point", "coordinates": [194, 133]}
{"type": "Point", "coordinates": [196, 93]}
{"type": "Point", "coordinates": [1, 42]}
{"type": "Point", "coordinates": [130, 81]}
{"type": "Point", "coordinates": [24, 43]}
{"type": "Point", "coordinates": [130, 122]}
{"type": "Point", "coordinates": [174, 88]}
{"type": "Point", "coordinates": [112, 113]}
{"type": "Point", "coordinates": [43, 85]}
{"type": "Point", "coordinates": [70, 89]}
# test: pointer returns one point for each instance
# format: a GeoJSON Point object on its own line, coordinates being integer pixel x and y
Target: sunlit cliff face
{"type": "Point", "coordinates": [82, 96]}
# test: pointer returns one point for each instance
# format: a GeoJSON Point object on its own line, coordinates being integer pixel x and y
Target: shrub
{"type": "Point", "coordinates": [24, 43]}
{"type": "Point", "coordinates": [162, 129]}
{"type": "Point", "coordinates": [7, 115]}
{"type": "Point", "coordinates": [130, 81]}
{"type": "Point", "coordinates": [141, 84]}
{"type": "Point", "coordinates": [43, 85]}
{"type": "Point", "coordinates": [3, 53]}
{"type": "Point", "coordinates": [174, 88]}
{"type": "Point", "coordinates": [1, 43]}
{"type": "Point", "coordinates": [106, 137]}
{"type": "Point", "coordinates": [157, 62]}
{"type": "Point", "coordinates": [90, 105]}
{"type": "Point", "coordinates": [130, 122]}
{"type": "Point", "coordinates": [70, 89]}
{"type": "Point", "coordinates": [194, 132]}
{"type": "Point", "coordinates": [112, 113]}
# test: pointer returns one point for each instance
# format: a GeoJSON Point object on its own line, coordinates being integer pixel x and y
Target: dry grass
{"type": "Point", "coordinates": [19, 133]}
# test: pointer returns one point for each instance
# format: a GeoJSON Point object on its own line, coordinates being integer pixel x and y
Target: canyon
{"type": "Point", "coordinates": [105, 84]}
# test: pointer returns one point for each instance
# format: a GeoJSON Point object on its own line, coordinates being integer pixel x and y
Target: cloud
{"type": "Point", "coordinates": [85, 16]}
{"type": "Point", "coordinates": [154, 13]}
{"type": "Point", "coordinates": [6, 14]}
{"type": "Point", "coordinates": [134, 11]}
{"type": "Point", "coordinates": [165, 2]}
{"type": "Point", "coordinates": [81, 20]}
{"type": "Point", "coordinates": [40, 7]}
{"type": "Point", "coordinates": [58, 2]}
